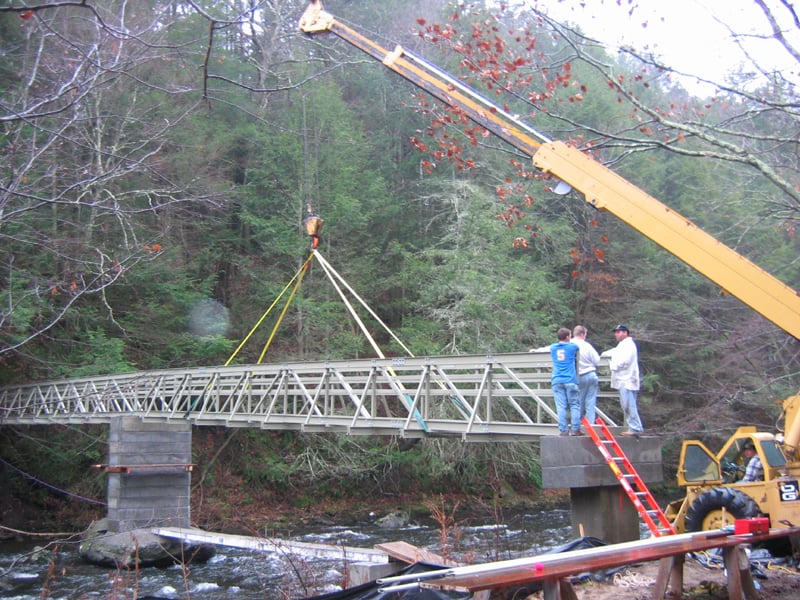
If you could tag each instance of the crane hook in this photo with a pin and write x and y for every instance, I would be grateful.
(313, 224)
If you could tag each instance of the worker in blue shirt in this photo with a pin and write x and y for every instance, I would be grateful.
(564, 382)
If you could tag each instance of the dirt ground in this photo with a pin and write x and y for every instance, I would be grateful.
(638, 583)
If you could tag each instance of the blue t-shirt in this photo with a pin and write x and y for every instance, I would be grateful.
(563, 355)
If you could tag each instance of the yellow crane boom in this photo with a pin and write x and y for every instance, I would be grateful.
(601, 187)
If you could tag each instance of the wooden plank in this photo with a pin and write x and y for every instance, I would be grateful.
(408, 553)
(670, 576)
(126, 469)
(740, 580)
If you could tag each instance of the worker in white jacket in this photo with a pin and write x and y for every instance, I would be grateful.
(624, 365)
(588, 382)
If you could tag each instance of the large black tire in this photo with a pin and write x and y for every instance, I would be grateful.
(737, 504)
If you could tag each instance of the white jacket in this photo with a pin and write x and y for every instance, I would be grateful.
(625, 365)
(588, 357)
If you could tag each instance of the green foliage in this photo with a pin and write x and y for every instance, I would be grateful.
(50, 465)
(101, 357)
(154, 230)
(269, 470)
(490, 296)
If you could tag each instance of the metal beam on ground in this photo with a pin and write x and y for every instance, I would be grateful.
(553, 569)
(265, 544)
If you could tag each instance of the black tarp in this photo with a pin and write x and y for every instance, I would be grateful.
(368, 591)
(371, 590)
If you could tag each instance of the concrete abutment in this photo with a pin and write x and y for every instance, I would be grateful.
(149, 479)
(599, 506)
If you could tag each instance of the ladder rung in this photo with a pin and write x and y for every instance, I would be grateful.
(630, 476)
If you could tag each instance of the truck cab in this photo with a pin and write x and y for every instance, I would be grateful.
(715, 494)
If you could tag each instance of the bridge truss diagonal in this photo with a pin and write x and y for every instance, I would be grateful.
(499, 397)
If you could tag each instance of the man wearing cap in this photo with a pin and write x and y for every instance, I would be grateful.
(624, 367)
(754, 470)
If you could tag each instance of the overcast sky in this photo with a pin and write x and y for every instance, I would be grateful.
(691, 35)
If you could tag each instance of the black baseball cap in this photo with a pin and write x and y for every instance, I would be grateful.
(622, 328)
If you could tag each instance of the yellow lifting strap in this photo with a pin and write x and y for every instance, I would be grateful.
(331, 273)
(271, 337)
(294, 284)
(298, 277)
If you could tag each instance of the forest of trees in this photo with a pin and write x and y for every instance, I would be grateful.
(157, 159)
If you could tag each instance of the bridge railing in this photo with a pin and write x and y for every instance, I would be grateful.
(501, 396)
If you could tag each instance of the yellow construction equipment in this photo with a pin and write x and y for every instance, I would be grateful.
(713, 495)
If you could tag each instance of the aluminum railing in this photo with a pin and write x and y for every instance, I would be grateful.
(477, 397)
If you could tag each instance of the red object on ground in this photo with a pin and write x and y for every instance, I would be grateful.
(756, 525)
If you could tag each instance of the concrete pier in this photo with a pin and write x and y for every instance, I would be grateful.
(149, 474)
(599, 504)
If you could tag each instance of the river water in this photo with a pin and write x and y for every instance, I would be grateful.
(59, 573)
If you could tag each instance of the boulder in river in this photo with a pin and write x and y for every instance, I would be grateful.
(394, 520)
(138, 548)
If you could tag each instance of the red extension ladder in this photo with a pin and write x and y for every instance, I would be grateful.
(628, 478)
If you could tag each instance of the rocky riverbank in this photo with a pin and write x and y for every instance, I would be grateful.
(137, 549)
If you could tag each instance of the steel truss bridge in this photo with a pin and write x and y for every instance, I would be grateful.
(499, 397)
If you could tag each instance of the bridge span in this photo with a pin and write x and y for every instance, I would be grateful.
(472, 398)
(499, 397)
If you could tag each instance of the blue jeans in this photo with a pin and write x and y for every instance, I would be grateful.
(568, 406)
(588, 385)
(627, 398)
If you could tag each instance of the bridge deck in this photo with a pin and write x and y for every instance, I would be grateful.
(476, 397)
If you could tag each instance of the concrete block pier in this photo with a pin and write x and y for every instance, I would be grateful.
(149, 477)
(149, 474)
(599, 504)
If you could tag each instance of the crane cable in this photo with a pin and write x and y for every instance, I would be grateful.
(297, 276)
(330, 272)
